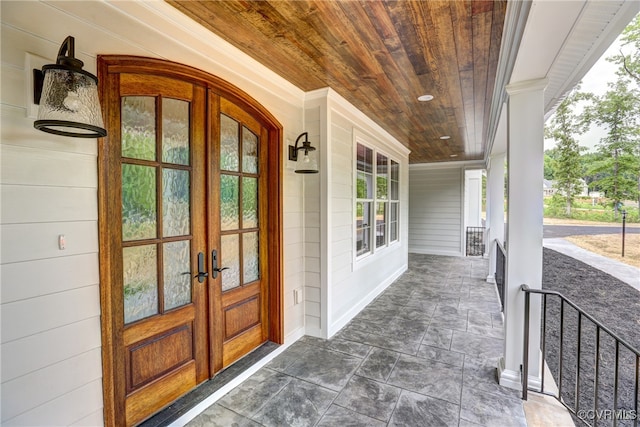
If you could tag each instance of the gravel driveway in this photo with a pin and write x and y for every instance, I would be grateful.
(608, 300)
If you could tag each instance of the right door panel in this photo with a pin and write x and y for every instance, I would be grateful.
(238, 229)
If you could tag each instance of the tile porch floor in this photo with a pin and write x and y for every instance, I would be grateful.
(424, 353)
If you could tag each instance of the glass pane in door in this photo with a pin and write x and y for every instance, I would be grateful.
(175, 131)
(249, 151)
(175, 202)
(228, 144)
(249, 202)
(177, 274)
(250, 257)
(230, 258)
(138, 202)
(229, 202)
(139, 127)
(140, 273)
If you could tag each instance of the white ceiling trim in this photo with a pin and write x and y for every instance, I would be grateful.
(563, 39)
(581, 31)
(600, 23)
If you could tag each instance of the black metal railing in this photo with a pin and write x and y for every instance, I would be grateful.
(475, 241)
(596, 371)
(499, 275)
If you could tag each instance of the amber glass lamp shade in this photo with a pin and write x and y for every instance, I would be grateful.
(68, 98)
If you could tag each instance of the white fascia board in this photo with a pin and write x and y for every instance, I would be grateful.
(600, 43)
(549, 25)
(466, 164)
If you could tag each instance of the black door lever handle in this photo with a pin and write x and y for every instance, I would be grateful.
(201, 273)
(201, 276)
(214, 264)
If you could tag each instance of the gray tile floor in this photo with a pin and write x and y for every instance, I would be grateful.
(424, 353)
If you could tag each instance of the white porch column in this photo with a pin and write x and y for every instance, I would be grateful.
(525, 155)
(495, 208)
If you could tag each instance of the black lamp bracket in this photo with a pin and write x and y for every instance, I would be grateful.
(66, 60)
(67, 55)
(306, 146)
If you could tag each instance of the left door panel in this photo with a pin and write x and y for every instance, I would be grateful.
(156, 229)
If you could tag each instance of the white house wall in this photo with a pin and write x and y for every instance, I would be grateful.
(313, 121)
(50, 313)
(357, 282)
(436, 209)
(50, 307)
(344, 285)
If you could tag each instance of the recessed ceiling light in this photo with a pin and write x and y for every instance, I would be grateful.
(443, 137)
(425, 98)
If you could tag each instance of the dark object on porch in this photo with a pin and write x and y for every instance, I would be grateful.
(475, 241)
(594, 358)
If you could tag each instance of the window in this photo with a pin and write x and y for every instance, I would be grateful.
(377, 200)
(382, 190)
(394, 201)
(364, 199)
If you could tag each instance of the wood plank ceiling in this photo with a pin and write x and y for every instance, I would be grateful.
(380, 56)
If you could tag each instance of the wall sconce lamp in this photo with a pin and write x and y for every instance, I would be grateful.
(68, 97)
(304, 163)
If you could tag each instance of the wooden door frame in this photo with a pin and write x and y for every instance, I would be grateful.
(113, 378)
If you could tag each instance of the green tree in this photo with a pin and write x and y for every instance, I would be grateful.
(588, 161)
(629, 61)
(618, 162)
(565, 125)
(549, 158)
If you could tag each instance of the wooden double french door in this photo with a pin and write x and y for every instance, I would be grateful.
(190, 273)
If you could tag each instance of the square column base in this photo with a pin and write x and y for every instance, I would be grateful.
(512, 379)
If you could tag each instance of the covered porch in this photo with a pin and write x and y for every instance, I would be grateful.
(426, 347)
(423, 353)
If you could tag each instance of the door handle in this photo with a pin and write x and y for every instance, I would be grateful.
(201, 273)
(214, 264)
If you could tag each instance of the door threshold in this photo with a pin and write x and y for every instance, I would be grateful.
(207, 388)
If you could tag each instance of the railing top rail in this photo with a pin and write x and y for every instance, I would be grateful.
(527, 289)
(500, 246)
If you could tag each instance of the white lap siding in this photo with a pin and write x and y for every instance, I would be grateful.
(435, 210)
(51, 372)
(344, 284)
(51, 356)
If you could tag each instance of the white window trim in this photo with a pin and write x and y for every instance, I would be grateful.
(396, 202)
(373, 254)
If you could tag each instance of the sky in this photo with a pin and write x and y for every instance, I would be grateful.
(595, 81)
